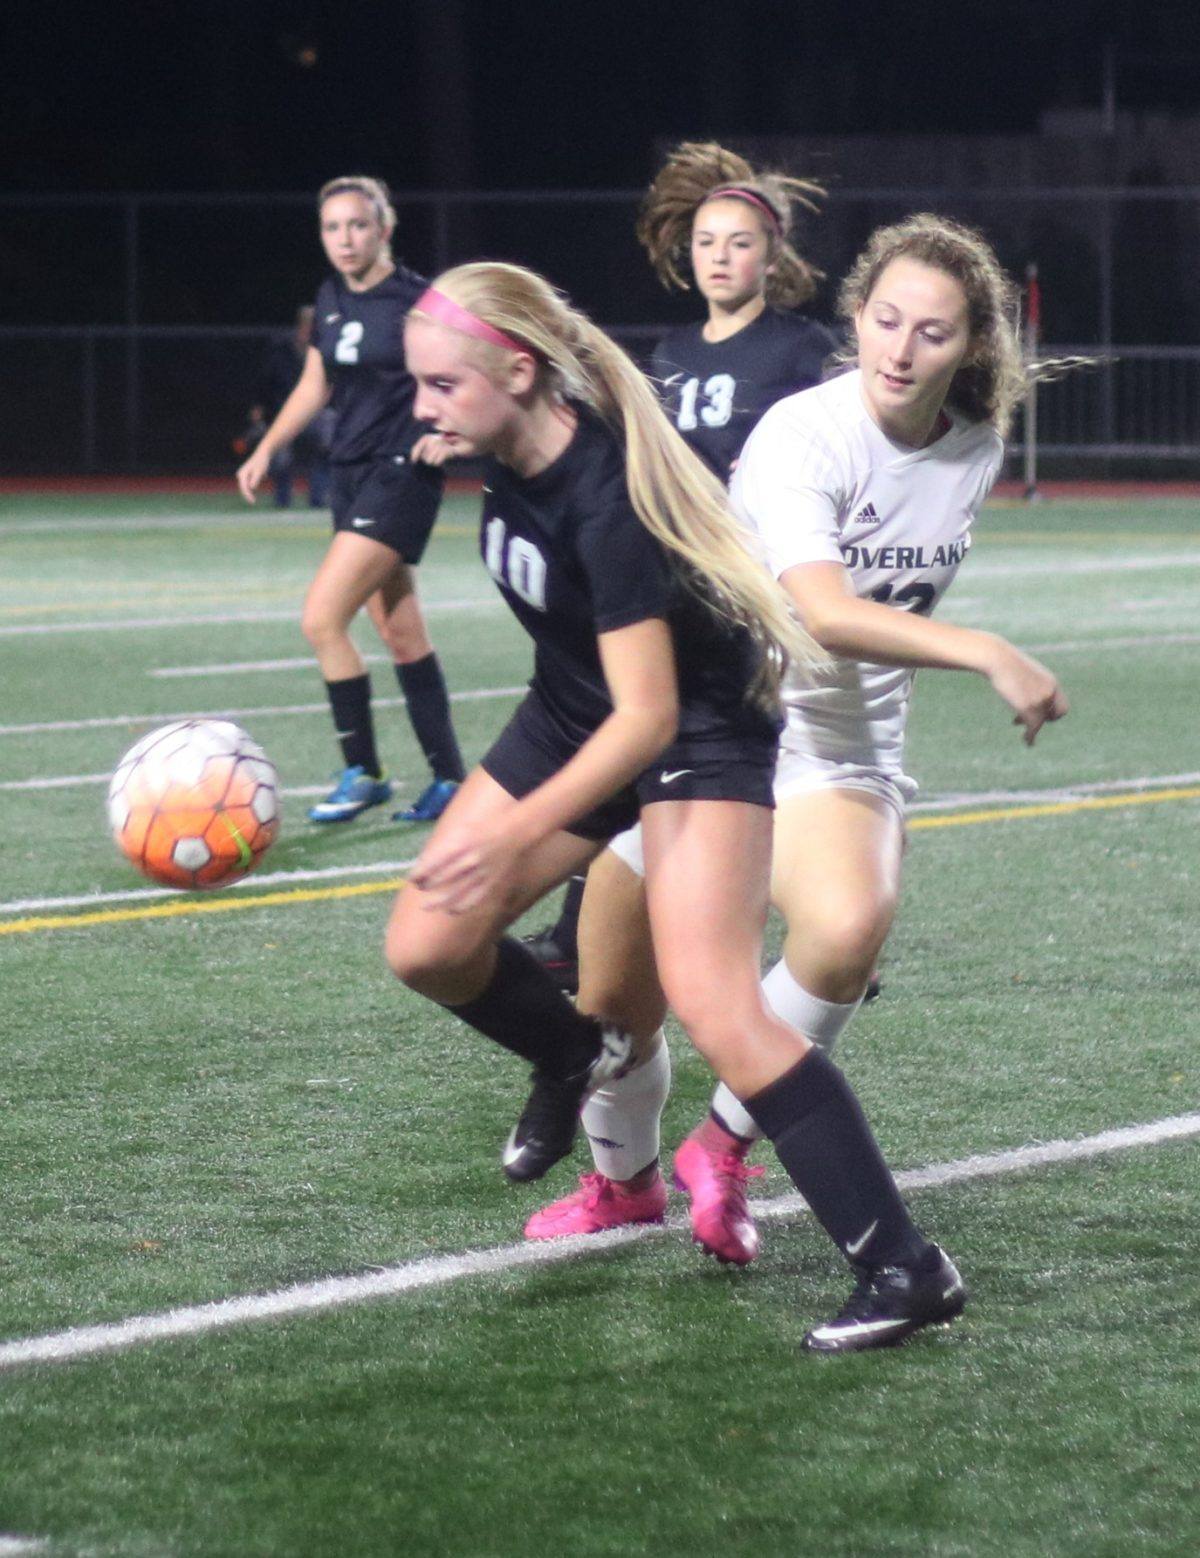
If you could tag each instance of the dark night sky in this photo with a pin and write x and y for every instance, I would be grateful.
(466, 93)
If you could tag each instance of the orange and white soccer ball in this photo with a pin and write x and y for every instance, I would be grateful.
(195, 804)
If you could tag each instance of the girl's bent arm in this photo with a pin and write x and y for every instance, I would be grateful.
(458, 871)
(639, 667)
(888, 635)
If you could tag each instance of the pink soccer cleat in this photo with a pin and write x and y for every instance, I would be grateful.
(715, 1182)
(598, 1204)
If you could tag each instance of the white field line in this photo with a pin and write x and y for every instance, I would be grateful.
(385, 868)
(380, 868)
(81, 781)
(217, 619)
(1057, 565)
(10, 1546)
(1070, 792)
(949, 802)
(241, 667)
(979, 570)
(202, 519)
(1103, 645)
(412, 1276)
(300, 663)
(108, 721)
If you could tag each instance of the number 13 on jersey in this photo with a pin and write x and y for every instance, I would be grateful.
(718, 407)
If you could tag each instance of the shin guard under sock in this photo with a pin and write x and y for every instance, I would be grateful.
(350, 701)
(818, 1129)
(428, 704)
(524, 1010)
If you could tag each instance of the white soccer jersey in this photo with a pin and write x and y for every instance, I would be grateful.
(820, 482)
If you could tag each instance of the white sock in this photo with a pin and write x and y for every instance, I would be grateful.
(622, 1117)
(818, 1020)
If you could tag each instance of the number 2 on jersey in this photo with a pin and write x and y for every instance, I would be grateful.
(346, 349)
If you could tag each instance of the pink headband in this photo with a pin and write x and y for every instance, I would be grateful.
(739, 193)
(436, 305)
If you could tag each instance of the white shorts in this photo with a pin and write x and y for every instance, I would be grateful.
(796, 773)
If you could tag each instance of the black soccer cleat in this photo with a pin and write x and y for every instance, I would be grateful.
(545, 1133)
(891, 1302)
(561, 965)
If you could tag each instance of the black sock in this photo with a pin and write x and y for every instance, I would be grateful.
(350, 701)
(525, 1011)
(566, 927)
(424, 689)
(817, 1127)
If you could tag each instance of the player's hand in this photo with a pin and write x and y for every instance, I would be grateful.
(458, 873)
(431, 449)
(1030, 690)
(252, 473)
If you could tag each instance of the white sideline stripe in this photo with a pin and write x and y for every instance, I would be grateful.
(948, 802)
(1133, 641)
(300, 663)
(381, 868)
(981, 569)
(107, 721)
(115, 624)
(201, 519)
(959, 798)
(81, 781)
(21, 1544)
(385, 868)
(335, 1292)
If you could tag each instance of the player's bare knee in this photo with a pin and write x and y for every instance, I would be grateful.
(319, 627)
(846, 940)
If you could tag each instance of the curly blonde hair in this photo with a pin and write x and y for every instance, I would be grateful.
(691, 175)
(673, 492)
(994, 376)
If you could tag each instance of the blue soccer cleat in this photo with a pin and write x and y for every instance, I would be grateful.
(354, 792)
(430, 804)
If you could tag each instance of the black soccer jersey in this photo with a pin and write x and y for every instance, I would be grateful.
(715, 393)
(360, 336)
(572, 559)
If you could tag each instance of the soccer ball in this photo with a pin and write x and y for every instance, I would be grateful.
(195, 804)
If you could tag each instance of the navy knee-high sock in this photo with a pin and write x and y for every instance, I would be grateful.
(428, 703)
(566, 927)
(525, 1011)
(818, 1128)
(350, 701)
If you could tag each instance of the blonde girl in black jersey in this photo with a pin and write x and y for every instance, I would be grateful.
(578, 448)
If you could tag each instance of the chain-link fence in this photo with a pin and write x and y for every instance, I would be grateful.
(133, 327)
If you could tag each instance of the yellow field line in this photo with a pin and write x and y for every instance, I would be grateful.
(1056, 808)
(171, 911)
(167, 911)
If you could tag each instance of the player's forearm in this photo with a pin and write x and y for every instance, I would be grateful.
(306, 401)
(889, 635)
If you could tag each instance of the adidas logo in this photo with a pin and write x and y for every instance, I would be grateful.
(868, 516)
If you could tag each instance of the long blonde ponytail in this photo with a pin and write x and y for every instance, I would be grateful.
(674, 494)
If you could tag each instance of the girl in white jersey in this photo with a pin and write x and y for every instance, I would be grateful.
(862, 491)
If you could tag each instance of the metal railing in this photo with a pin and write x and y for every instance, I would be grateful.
(121, 348)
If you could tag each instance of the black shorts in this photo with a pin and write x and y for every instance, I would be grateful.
(388, 500)
(531, 749)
